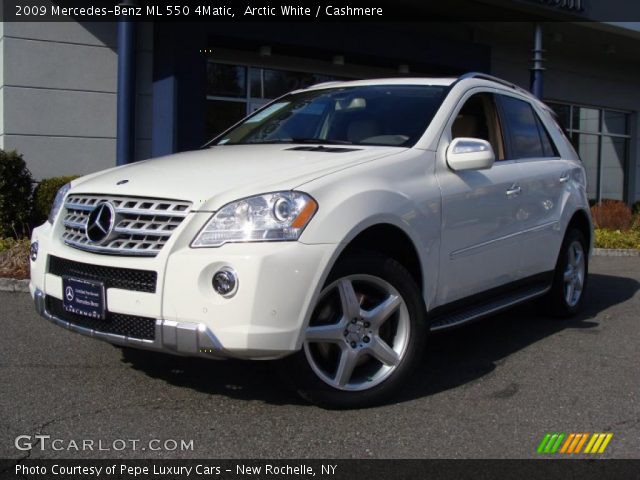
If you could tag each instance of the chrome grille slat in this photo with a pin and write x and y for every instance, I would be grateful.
(144, 226)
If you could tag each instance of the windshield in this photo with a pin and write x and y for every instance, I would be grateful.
(389, 115)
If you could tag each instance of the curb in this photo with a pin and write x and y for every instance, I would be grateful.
(13, 285)
(616, 252)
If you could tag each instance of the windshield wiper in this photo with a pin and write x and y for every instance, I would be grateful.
(319, 141)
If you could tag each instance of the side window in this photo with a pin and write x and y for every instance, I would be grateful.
(478, 118)
(526, 135)
(548, 146)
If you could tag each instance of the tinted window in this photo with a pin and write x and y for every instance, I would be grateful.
(394, 115)
(226, 80)
(524, 136)
(548, 147)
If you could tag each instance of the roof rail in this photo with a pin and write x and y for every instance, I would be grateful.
(485, 76)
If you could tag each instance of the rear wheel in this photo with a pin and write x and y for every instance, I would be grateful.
(365, 335)
(570, 277)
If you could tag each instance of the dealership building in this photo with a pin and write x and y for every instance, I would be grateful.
(77, 96)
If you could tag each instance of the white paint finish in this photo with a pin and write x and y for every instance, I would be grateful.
(30, 111)
(82, 33)
(213, 177)
(480, 222)
(35, 63)
(52, 156)
(133, 303)
(468, 233)
(271, 321)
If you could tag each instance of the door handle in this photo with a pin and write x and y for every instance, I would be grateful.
(564, 178)
(514, 191)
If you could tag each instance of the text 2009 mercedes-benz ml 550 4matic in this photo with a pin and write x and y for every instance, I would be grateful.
(334, 228)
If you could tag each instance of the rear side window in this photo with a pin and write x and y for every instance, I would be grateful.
(548, 148)
(526, 135)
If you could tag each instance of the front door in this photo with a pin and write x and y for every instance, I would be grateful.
(480, 209)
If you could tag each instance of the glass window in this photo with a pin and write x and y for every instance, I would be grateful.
(587, 147)
(601, 138)
(615, 122)
(234, 91)
(269, 83)
(393, 115)
(222, 114)
(226, 80)
(522, 128)
(548, 147)
(613, 154)
(586, 119)
(564, 115)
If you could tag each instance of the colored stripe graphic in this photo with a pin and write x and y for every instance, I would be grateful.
(573, 443)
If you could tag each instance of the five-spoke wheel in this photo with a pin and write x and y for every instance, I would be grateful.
(365, 334)
(570, 277)
(358, 333)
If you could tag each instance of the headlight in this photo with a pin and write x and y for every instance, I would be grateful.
(270, 217)
(57, 202)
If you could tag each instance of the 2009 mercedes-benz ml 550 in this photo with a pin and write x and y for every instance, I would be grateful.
(335, 228)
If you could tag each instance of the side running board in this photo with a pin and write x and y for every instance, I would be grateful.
(474, 312)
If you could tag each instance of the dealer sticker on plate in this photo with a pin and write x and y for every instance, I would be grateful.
(83, 297)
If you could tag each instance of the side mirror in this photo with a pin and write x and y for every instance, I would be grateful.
(470, 154)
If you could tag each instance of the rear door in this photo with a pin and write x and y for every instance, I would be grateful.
(544, 177)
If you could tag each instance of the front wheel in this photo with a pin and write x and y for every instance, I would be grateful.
(570, 276)
(365, 336)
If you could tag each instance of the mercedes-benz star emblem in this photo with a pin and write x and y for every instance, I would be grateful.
(68, 292)
(100, 223)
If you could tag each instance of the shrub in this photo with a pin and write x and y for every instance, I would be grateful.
(612, 215)
(6, 243)
(636, 208)
(15, 195)
(617, 239)
(43, 196)
(14, 262)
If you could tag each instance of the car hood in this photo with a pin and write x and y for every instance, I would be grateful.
(211, 177)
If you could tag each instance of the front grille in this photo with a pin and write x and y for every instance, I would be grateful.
(117, 323)
(112, 277)
(142, 225)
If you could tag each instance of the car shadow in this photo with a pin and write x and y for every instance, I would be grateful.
(454, 358)
(457, 357)
(244, 380)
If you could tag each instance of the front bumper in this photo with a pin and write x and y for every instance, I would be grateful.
(180, 338)
(278, 282)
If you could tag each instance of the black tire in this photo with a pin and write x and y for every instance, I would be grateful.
(557, 303)
(356, 269)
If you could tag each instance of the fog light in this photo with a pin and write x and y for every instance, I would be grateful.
(225, 282)
(33, 251)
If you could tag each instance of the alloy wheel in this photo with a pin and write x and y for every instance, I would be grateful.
(574, 273)
(358, 333)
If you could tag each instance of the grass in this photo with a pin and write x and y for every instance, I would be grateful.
(14, 258)
(610, 238)
(617, 239)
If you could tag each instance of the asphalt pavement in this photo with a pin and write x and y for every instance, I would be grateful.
(489, 390)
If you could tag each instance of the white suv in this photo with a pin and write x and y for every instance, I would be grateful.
(336, 227)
